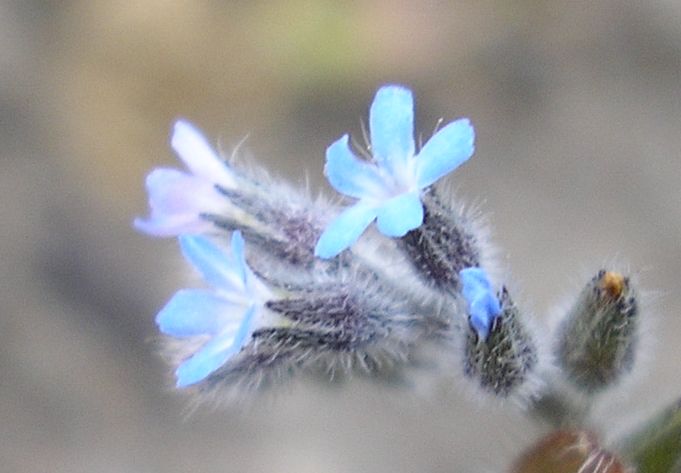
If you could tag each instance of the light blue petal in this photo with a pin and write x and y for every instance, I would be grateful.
(445, 151)
(239, 255)
(214, 354)
(193, 312)
(173, 191)
(483, 305)
(348, 174)
(344, 230)
(215, 266)
(391, 125)
(400, 214)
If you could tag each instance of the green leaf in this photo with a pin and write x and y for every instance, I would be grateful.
(656, 446)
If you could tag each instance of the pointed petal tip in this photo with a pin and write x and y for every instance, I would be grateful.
(238, 241)
(196, 152)
(184, 380)
(323, 251)
(343, 141)
(153, 227)
(193, 370)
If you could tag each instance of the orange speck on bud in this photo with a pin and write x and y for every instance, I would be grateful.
(613, 284)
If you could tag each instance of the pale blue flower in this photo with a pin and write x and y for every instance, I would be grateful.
(178, 199)
(483, 304)
(225, 316)
(389, 187)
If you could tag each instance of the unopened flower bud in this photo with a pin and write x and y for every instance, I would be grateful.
(597, 340)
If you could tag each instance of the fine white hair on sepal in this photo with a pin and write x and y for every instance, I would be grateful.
(443, 245)
(478, 223)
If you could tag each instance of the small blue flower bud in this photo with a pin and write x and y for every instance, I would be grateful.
(483, 305)
(499, 352)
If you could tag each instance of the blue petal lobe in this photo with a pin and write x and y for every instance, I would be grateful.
(193, 312)
(445, 151)
(483, 305)
(214, 354)
(400, 214)
(348, 174)
(391, 125)
(216, 267)
(344, 230)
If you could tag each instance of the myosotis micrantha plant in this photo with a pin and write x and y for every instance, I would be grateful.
(299, 285)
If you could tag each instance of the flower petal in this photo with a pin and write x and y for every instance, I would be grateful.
(177, 200)
(345, 230)
(483, 305)
(193, 312)
(173, 191)
(391, 125)
(445, 151)
(216, 267)
(215, 353)
(348, 174)
(193, 149)
(400, 214)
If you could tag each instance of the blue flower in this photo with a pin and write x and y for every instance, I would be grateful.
(389, 187)
(178, 199)
(225, 316)
(483, 305)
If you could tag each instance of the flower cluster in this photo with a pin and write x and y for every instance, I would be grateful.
(292, 287)
(298, 285)
(346, 315)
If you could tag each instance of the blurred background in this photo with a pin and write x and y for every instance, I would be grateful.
(577, 108)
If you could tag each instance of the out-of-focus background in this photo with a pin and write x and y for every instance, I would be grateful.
(577, 107)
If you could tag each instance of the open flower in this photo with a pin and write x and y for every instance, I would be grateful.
(178, 199)
(483, 305)
(226, 315)
(389, 187)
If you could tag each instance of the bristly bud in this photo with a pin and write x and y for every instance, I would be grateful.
(335, 330)
(285, 228)
(597, 340)
(501, 359)
(442, 246)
